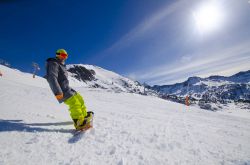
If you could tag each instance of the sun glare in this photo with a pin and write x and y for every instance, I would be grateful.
(208, 17)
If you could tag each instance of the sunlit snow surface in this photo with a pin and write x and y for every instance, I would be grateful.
(128, 129)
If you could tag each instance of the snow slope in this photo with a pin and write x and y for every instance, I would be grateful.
(128, 129)
(96, 77)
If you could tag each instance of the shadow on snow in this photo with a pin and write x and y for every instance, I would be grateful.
(19, 125)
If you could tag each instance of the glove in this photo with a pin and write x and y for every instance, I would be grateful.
(59, 97)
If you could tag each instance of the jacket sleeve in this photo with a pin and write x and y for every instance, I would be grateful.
(52, 75)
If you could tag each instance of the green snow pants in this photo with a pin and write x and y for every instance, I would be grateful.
(77, 107)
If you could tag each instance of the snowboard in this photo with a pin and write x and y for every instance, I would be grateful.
(78, 134)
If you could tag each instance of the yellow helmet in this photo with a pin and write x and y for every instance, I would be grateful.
(62, 54)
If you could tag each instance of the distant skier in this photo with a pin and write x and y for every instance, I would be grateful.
(57, 78)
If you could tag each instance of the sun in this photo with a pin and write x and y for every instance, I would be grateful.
(208, 17)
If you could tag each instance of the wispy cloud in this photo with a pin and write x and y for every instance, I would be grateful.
(226, 62)
(143, 28)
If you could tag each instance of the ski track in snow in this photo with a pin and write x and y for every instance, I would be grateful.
(128, 129)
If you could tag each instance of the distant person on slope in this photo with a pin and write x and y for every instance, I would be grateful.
(57, 78)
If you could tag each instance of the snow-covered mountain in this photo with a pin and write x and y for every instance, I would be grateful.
(213, 89)
(97, 77)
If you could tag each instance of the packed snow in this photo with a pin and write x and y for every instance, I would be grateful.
(128, 129)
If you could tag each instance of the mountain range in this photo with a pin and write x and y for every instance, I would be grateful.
(213, 89)
(211, 93)
(205, 92)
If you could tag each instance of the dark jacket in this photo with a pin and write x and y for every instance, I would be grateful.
(57, 77)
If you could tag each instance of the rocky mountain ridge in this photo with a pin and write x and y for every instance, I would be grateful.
(210, 90)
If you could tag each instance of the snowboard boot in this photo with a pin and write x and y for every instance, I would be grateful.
(84, 123)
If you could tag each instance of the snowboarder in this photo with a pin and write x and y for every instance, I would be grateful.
(57, 78)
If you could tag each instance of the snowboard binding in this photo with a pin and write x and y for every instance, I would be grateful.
(86, 123)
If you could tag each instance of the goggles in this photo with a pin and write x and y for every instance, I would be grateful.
(63, 55)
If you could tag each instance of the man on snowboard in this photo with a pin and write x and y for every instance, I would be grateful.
(57, 78)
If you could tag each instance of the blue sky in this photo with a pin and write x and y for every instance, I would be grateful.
(157, 42)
